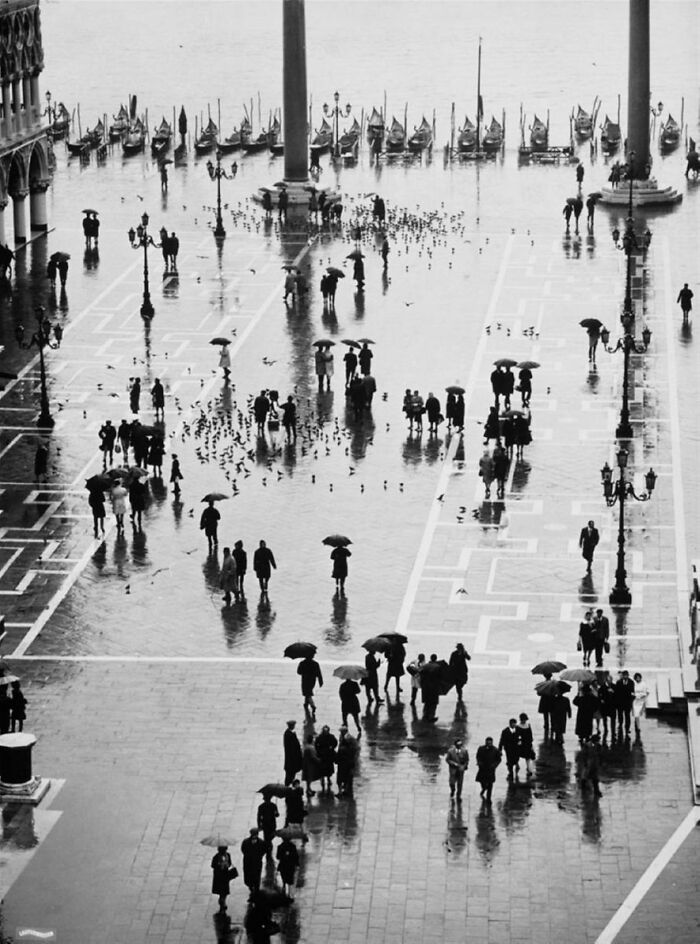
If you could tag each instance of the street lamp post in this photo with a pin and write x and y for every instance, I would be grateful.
(630, 242)
(336, 112)
(48, 107)
(41, 338)
(619, 491)
(216, 173)
(628, 344)
(140, 239)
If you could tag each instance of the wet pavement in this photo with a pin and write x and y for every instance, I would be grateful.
(160, 710)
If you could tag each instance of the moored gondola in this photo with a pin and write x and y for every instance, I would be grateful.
(135, 139)
(493, 136)
(322, 140)
(466, 137)
(422, 137)
(610, 136)
(160, 142)
(583, 124)
(539, 135)
(61, 121)
(396, 137)
(670, 134)
(207, 140)
(375, 126)
(120, 125)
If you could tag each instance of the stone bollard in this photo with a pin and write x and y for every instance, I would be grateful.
(17, 784)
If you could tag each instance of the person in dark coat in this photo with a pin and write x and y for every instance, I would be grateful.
(350, 703)
(175, 474)
(459, 669)
(5, 710)
(96, 501)
(310, 764)
(588, 764)
(586, 637)
(253, 850)
(292, 753)
(364, 359)
(107, 436)
(395, 658)
(492, 428)
(508, 743)
(607, 708)
(310, 672)
(350, 359)
(51, 272)
(267, 204)
(263, 563)
(488, 758)
(156, 451)
(371, 680)
(19, 707)
(289, 418)
(63, 271)
(223, 872)
(588, 541)
(525, 740)
(139, 444)
(124, 436)
(432, 411)
(458, 413)
(430, 686)
(508, 430)
(545, 706)
(326, 744)
(566, 213)
(287, 865)
(294, 804)
(158, 399)
(560, 710)
(685, 300)
(357, 396)
(241, 558)
(339, 556)
(267, 821)
(522, 434)
(507, 386)
(137, 500)
(590, 208)
(525, 385)
(624, 699)
(601, 630)
(501, 465)
(450, 409)
(135, 395)
(347, 761)
(209, 523)
(497, 386)
(41, 461)
(587, 704)
(261, 407)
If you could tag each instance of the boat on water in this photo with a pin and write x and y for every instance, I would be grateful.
(322, 140)
(610, 135)
(422, 137)
(539, 135)
(207, 140)
(466, 137)
(670, 134)
(61, 121)
(396, 137)
(235, 140)
(583, 124)
(494, 136)
(91, 139)
(120, 125)
(160, 142)
(375, 126)
(349, 140)
(134, 140)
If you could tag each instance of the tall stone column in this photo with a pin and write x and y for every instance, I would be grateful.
(3, 237)
(7, 109)
(19, 216)
(16, 106)
(37, 205)
(638, 88)
(296, 151)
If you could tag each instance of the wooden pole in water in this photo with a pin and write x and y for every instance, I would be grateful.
(452, 130)
(384, 112)
(218, 115)
(478, 102)
(80, 130)
(405, 122)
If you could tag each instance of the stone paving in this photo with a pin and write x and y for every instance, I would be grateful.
(146, 693)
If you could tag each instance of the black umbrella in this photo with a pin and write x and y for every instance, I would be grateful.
(377, 644)
(393, 635)
(454, 388)
(336, 540)
(548, 667)
(591, 323)
(300, 650)
(274, 790)
(324, 342)
(552, 687)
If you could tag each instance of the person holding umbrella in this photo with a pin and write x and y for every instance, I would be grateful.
(560, 710)
(287, 864)
(223, 872)
(371, 679)
(350, 703)
(209, 523)
(593, 328)
(310, 672)
(347, 760)
(339, 556)
(267, 821)
(395, 658)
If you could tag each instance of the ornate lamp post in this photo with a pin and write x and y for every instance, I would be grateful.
(619, 491)
(140, 239)
(630, 243)
(336, 112)
(216, 173)
(41, 338)
(628, 344)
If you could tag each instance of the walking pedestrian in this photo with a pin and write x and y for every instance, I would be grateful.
(486, 472)
(287, 865)
(347, 761)
(509, 743)
(158, 399)
(253, 850)
(607, 707)
(339, 556)
(267, 203)
(137, 501)
(241, 558)
(5, 710)
(488, 757)
(414, 669)
(450, 409)
(544, 706)
(395, 658)
(358, 272)
(586, 637)
(294, 804)
(139, 444)
(457, 758)
(577, 208)
(522, 434)
(601, 628)
(332, 286)
(96, 501)
(371, 679)
(567, 211)
(492, 428)
(458, 413)
(223, 872)
(350, 703)
(209, 523)
(228, 577)
(587, 704)
(289, 418)
(497, 386)
(267, 822)
(19, 707)
(431, 688)
(432, 411)
(501, 465)
(107, 435)
(175, 474)
(641, 693)
(263, 564)
(282, 204)
(290, 286)
(590, 208)
(326, 744)
(135, 394)
(52, 271)
(579, 175)
(320, 365)
(459, 670)
(417, 409)
(350, 360)
(588, 541)
(124, 437)
(292, 753)
(593, 332)
(41, 461)
(525, 386)
(560, 710)
(624, 699)
(364, 359)
(525, 741)
(63, 270)
(507, 385)
(156, 451)
(118, 497)
(310, 672)
(685, 299)
(261, 407)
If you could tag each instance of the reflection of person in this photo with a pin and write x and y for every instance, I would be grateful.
(457, 758)
(223, 873)
(588, 541)
(488, 758)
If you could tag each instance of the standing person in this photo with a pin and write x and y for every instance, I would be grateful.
(267, 821)
(560, 710)
(287, 864)
(588, 541)
(326, 744)
(501, 465)
(525, 385)
(339, 556)
(522, 434)
(158, 399)
(430, 690)
(492, 428)
(486, 472)
(593, 332)
(579, 175)
(241, 559)
(601, 628)
(209, 523)
(350, 703)
(63, 270)
(19, 707)
(164, 246)
(417, 409)
(507, 385)
(267, 203)
(432, 411)
(139, 444)
(566, 213)
(310, 672)
(223, 872)
(395, 658)
(358, 272)
(175, 474)
(407, 408)
(459, 669)
(173, 249)
(137, 500)
(253, 850)
(263, 565)
(292, 753)
(590, 208)
(414, 671)
(5, 710)
(606, 704)
(124, 436)
(364, 359)
(371, 679)
(497, 386)
(509, 744)
(332, 286)
(586, 637)
(261, 407)
(320, 365)
(294, 803)
(225, 361)
(96, 501)
(587, 704)
(324, 290)
(685, 299)
(347, 761)
(228, 576)
(525, 741)
(162, 167)
(457, 758)
(508, 428)
(450, 409)
(41, 462)
(156, 451)
(641, 693)
(458, 413)
(107, 436)
(545, 707)
(289, 418)
(135, 395)
(51, 271)
(577, 208)
(488, 758)
(350, 359)
(624, 699)
(118, 496)
(282, 204)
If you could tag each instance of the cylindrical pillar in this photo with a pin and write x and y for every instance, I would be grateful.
(37, 206)
(3, 237)
(18, 216)
(27, 115)
(16, 759)
(16, 106)
(36, 105)
(296, 152)
(7, 109)
(638, 88)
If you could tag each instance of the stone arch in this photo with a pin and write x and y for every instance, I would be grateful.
(17, 175)
(38, 169)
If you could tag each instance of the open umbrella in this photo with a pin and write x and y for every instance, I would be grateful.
(377, 644)
(505, 362)
(220, 341)
(8, 679)
(165, 160)
(366, 341)
(216, 840)
(530, 365)
(591, 323)
(355, 254)
(214, 496)
(350, 343)
(393, 635)
(274, 790)
(127, 471)
(288, 268)
(578, 675)
(509, 414)
(60, 256)
(300, 650)
(454, 388)
(334, 270)
(292, 831)
(98, 481)
(336, 540)
(88, 210)
(324, 342)
(442, 670)
(548, 667)
(354, 672)
(310, 189)
(552, 687)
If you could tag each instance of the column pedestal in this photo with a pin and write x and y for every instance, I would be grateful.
(18, 217)
(17, 783)
(37, 207)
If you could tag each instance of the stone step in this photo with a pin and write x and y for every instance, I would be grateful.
(691, 680)
(676, 684)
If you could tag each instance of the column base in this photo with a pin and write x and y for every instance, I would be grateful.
(620, 596)
(644, 193)
(31, 793)
(298, 193)
(39, 227)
